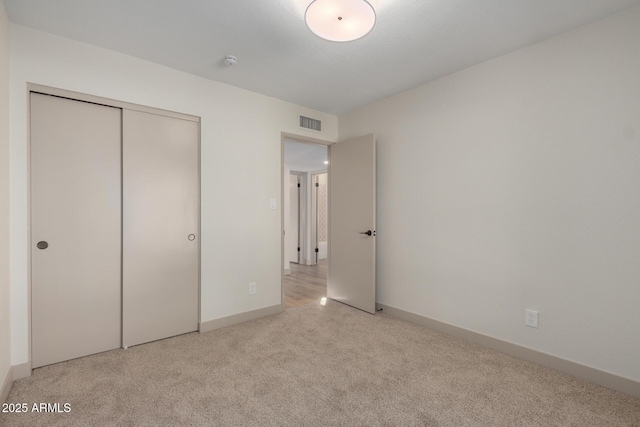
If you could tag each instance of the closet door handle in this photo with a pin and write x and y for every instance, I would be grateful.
(191, 237)
(42, 245)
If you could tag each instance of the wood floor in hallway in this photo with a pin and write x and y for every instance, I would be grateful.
(306, 284)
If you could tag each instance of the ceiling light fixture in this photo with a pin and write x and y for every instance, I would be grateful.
(340, 20)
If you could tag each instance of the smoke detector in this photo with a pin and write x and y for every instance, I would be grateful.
(230, 60)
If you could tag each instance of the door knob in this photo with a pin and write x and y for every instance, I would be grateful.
(191, 237)
(368, 232)
(42, 245)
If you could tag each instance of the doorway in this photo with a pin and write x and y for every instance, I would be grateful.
(350, 276)
(305, 221)
(319, 216)
(297, 215)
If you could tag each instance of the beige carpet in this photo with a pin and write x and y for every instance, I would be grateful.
(315, 366)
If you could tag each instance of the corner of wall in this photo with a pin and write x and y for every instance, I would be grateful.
(5, 385)
(6, 374)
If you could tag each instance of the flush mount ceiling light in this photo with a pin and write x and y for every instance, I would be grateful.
(340, 20)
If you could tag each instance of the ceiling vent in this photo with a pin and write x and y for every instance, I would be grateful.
(309, 123)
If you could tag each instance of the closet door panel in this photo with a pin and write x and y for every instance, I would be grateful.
(76, 210)
(160, 227)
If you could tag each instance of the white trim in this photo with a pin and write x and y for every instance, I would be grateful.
(6, 385)
(302, 216)
(223, 322)
(22, 370)
(15, 372)
(78, 96)
(314, 214)
(588, 373)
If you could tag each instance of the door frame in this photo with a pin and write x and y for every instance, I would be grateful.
(314, 214)
(302, 215)
(305, 140)
(83, 97)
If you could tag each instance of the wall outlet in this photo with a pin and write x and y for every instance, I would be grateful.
(273, 203)
(531, 318)
(252, 288)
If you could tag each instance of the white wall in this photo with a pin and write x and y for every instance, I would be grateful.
(514, 184)
(241, 166)
(5, 352)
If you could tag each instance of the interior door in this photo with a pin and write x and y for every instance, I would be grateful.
(352, 223)
(294, 218)
(160, 227)
(315, 184)
(75, 229)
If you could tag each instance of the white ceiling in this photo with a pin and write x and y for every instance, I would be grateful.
(413, 42)
(300, 157)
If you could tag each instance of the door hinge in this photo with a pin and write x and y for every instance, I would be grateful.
(317, 250)
(298, 185)
(298, 249)
(317, 184)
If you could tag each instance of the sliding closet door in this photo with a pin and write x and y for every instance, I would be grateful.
(160, 227)
(75, 229)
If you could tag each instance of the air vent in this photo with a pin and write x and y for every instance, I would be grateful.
(309, 123)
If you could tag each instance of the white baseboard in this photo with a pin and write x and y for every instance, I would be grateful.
(6, 385)
(22, 370)
(287, 271)
(15, 372)
(223, 322)
(596, 376)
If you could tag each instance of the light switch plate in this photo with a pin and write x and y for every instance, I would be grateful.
(273, 203)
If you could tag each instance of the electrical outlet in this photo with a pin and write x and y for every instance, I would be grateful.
(252, 288)
(531, 318)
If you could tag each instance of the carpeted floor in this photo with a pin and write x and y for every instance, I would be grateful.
(315, 366)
